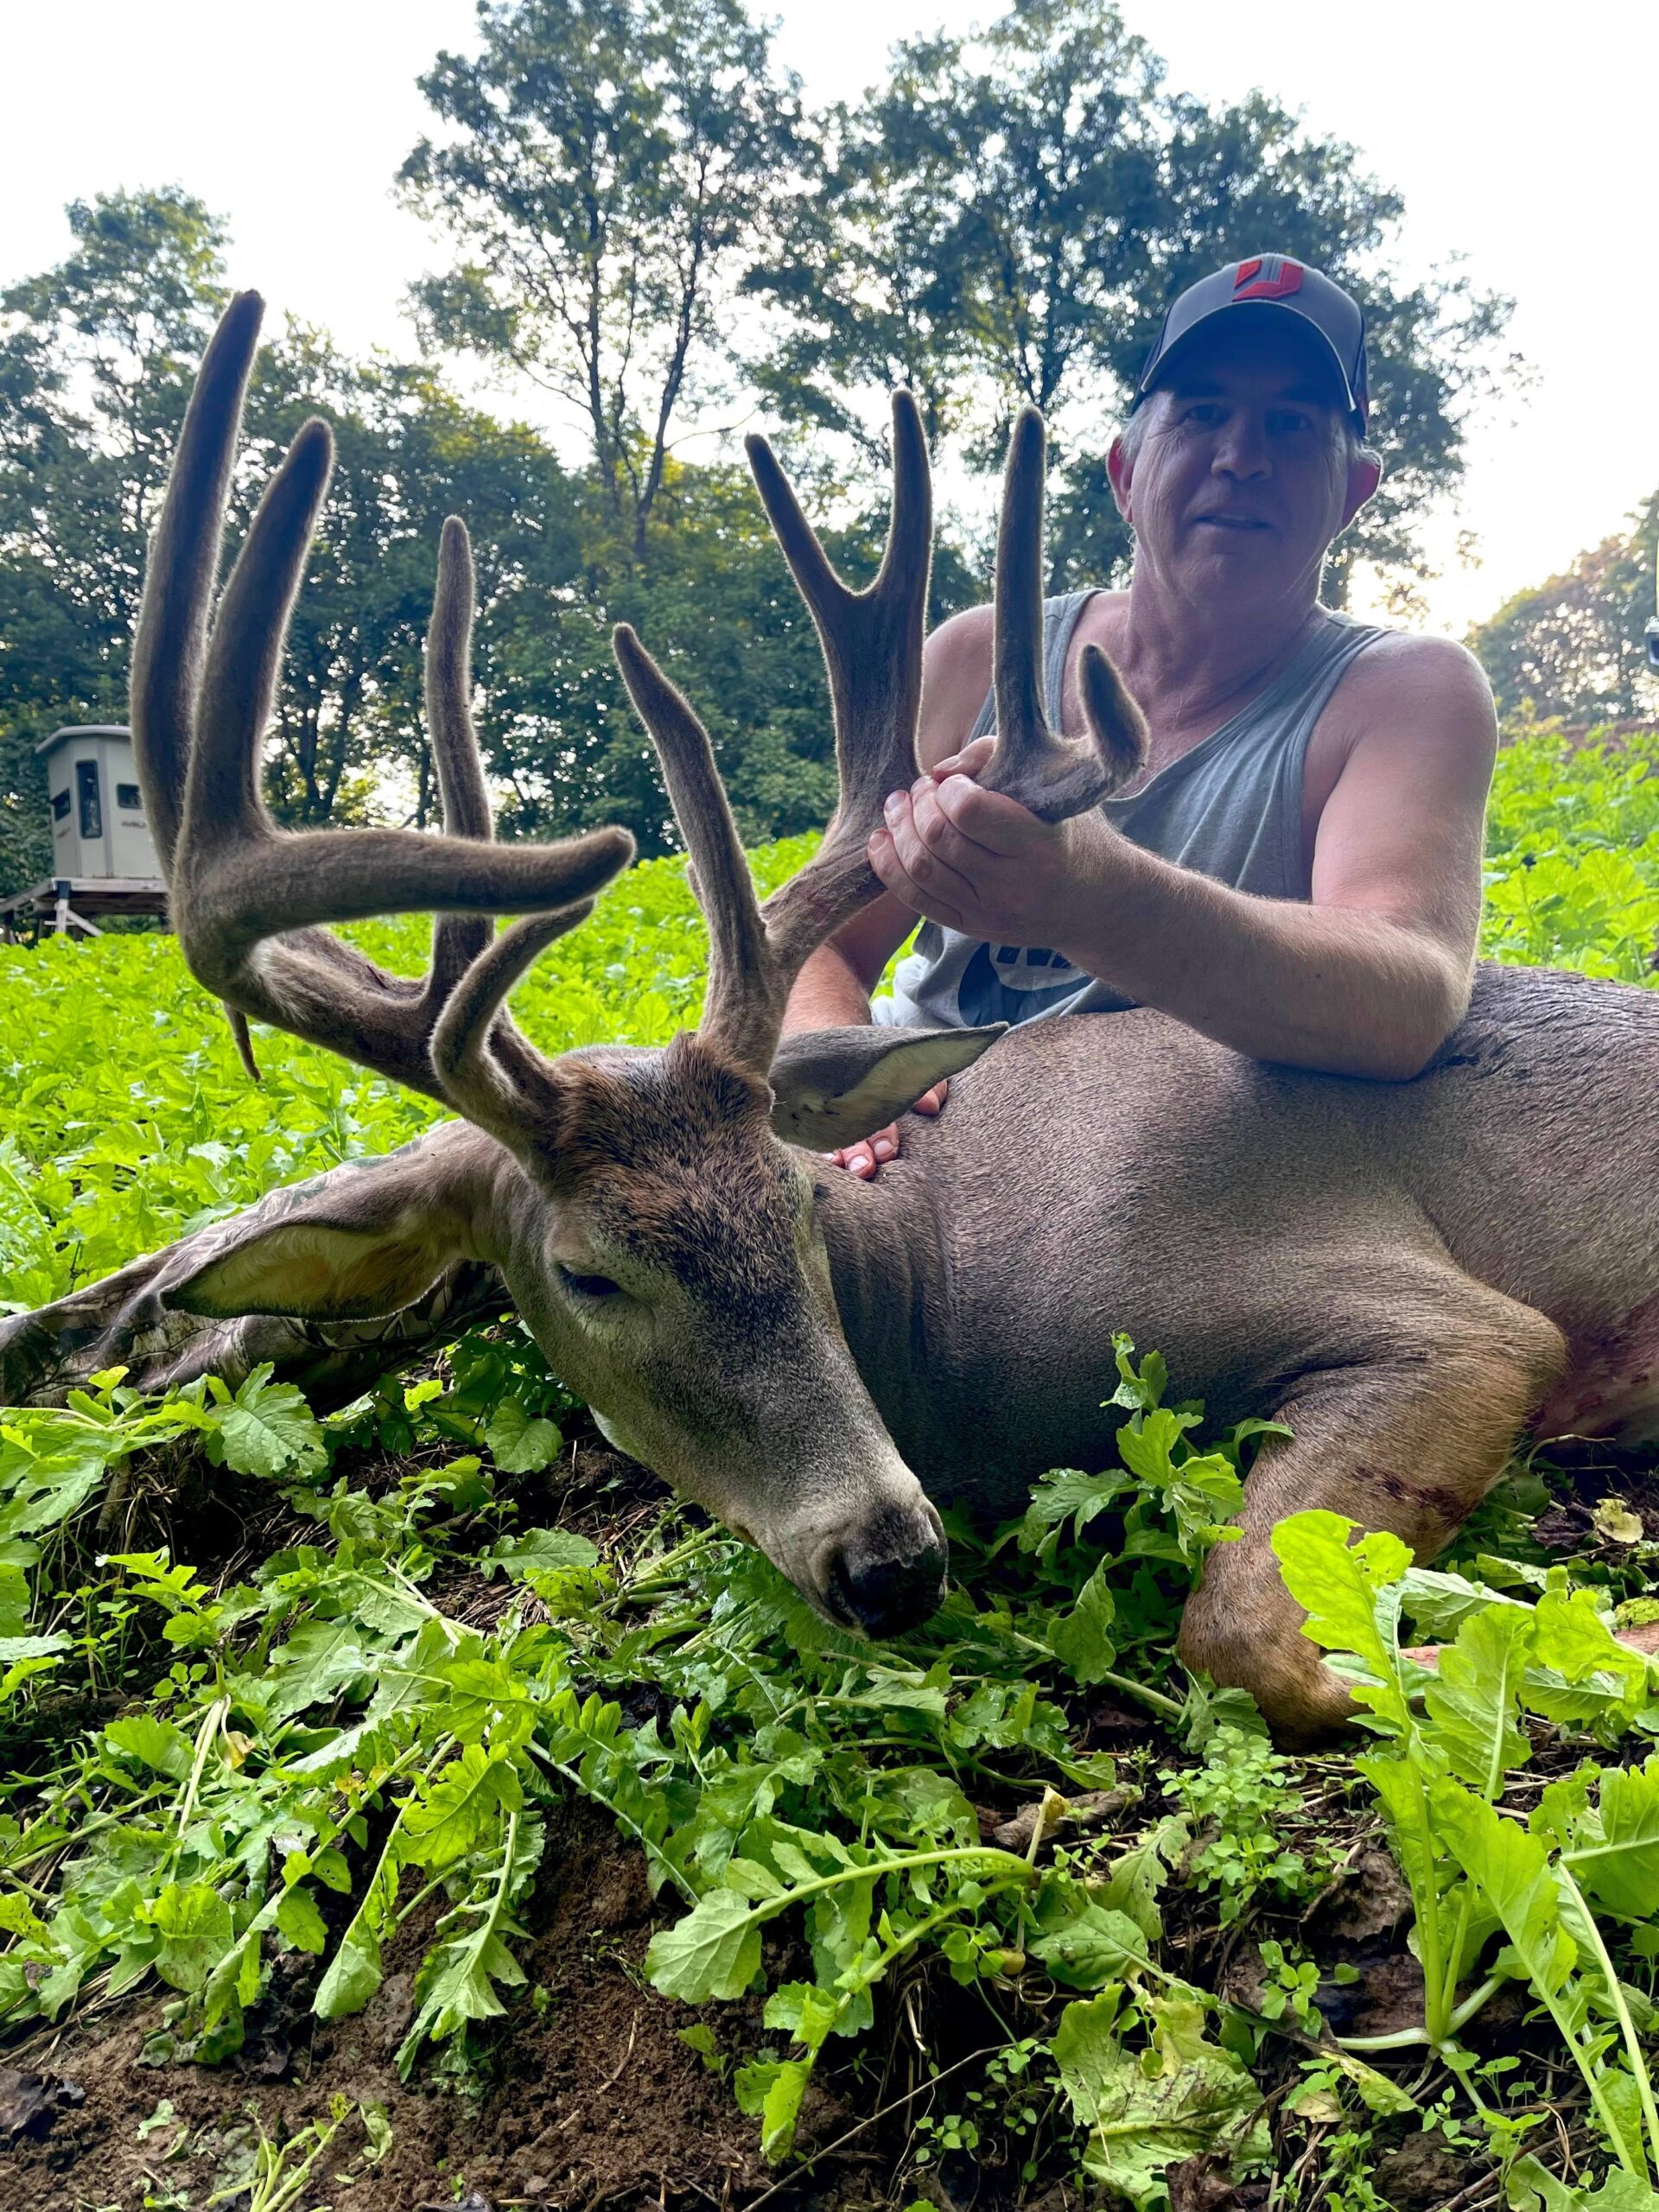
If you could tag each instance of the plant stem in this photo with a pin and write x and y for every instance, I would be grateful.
(1621, 2013)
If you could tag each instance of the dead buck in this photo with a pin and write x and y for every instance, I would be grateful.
(1404, 1274)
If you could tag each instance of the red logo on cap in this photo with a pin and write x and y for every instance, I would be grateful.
(1269, 276)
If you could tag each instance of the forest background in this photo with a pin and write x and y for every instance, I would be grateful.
(632, 207)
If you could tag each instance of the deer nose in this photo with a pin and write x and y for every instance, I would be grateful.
(885, 1592)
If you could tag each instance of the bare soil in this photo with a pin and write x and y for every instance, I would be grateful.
(591, 2098)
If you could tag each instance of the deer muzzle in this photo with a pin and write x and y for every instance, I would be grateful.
(887, 1576)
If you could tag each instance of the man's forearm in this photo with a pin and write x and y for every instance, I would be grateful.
(1331, 988)
(828, 993)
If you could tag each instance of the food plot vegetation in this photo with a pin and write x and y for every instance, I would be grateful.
(413, 1805)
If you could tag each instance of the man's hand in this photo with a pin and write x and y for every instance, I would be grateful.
(870, 1153)
(981, 863)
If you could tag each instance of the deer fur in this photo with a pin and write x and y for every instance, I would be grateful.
(1409, 1276)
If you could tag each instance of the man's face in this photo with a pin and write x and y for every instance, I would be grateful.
(1243, 477)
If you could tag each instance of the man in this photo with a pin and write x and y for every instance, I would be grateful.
(1297, 871)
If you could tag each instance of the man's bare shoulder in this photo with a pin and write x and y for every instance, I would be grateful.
(1403, 666)
(1406, 688)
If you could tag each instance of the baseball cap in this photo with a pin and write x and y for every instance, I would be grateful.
(1268, 283)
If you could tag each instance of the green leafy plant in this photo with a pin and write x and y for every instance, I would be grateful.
(1449, 1739)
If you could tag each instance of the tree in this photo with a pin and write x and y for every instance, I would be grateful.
(95, 360)
(1573, 647)
(607, 166)
(1006, 218)
(351, 712)
(94, 374)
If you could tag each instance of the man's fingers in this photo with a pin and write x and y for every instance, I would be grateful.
(968, 762)
(988, 818)
(940, 834)
(921, 898)
(931, 1101)
(864, 1158)
(930, 850)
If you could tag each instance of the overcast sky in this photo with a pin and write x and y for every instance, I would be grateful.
(1534, 157)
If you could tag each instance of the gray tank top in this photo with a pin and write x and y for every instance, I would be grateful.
(1231, 808)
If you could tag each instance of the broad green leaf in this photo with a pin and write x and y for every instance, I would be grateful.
(1510, 1868)
(1474, 1698)
(1137, 1877)
(195, 1928)
(806, 2011)
(1142, 1390)
(714, 1952)
(1351, 1592)
(1147, 1450)
(521, 1443)
(267, 1429)
(1606, 1680)
(1619, 1865)
(462, 1806)
(1439, 1603)
(1082, 1637)
(15, 1603)
(157, 1742)
(772, 2090)
(1532, 2187)
(1378, 2093)
(13, 1648)
(544, 1549)
(1066, 1494)
(1082, 1944)
(353, 1975)
(1137, 2123)
(457, 1984)
(299, 1922)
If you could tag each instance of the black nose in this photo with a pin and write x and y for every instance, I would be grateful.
(884, 1597)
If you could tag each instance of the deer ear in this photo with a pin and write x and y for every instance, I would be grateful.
(832, 1086)
(363, 1241)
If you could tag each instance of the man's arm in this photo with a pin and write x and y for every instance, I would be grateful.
(1366, 980)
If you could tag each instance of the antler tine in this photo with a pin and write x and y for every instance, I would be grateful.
(257, 881)
(489, 1072)
(872, 643)
(171, 639)
(743, 1006)
(244, 894)
(1017, 648)
(1051, 775)
(457, 939)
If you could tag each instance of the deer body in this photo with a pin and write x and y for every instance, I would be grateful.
(1402, 1274)
(1254, 1224)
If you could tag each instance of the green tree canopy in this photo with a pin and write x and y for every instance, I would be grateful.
(1573, 647)
(1007, 217)
(604, 174)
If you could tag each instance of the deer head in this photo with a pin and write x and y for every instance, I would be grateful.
(656, 1233)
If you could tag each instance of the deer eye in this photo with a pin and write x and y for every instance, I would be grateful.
(589, 1286)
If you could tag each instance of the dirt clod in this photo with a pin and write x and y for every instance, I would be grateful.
(1421, 2173)
(1199, 2184)
(30, 2103)
(1368, 1898)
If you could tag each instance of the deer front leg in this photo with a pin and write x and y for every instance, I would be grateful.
(415, 1203)
(1410, 1441)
